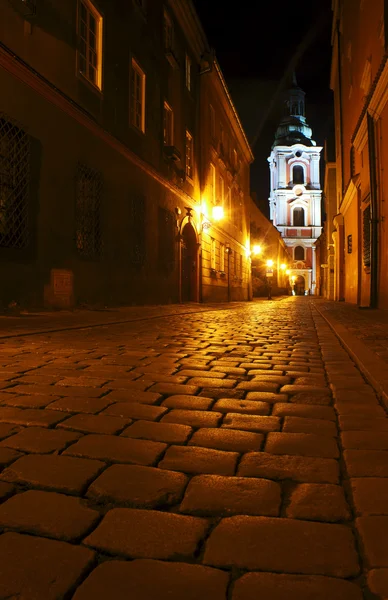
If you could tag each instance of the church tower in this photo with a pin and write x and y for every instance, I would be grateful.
(295, 189)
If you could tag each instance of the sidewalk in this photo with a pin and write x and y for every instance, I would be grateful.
(364, 334)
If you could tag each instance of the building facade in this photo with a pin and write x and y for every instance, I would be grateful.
(327, 284)
(102, 169)
(268, 247)
(359, 80)
(295, 190)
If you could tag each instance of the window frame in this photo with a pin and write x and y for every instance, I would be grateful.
(212, 253)
(189, 164)
(168, 27)
(213, 174)
(168, 140)
(136, 68)
(188, 73)
(99, 19)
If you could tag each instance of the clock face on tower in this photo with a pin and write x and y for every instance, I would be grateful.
(299, 190)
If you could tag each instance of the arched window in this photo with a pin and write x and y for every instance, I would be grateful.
(297, 174)
(298, 217)
(299, 252)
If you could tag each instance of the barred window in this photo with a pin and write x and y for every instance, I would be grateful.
(366, 259)
(189, 154)
(14, 185)
(166, 239)
(137, 230)
(87, 212)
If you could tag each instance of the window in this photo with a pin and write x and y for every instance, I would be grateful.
(166, 240)
(222, 191)
(235, 264)
(222, 139)
(212, 184)
(137, 230)
(168, 125)
(241, 267)
(14, 185)
(90, 43)
(229, 202)
(299, 253)
(87, 212)
(137, 96)
(298, 217)
(298, 174)
(188, 73)
(222, 257)
(168, 31)
(366, 237)
(189, 155)
(212, 122)
(350, 244)
(212, 253)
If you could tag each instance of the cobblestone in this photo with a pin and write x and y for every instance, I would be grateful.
(212, 495)
(318, 502)
(282, 545)
(47, 514)
(52, 472)
(170, 433)
(136, 533)
(138, 487)
(294, 587)
(117, 449)
(39, 567)
(199, 460)
(144, 579)
(183, 471)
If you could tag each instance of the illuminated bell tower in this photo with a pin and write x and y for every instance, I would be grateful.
(295, 189)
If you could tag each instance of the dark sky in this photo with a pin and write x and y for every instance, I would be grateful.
(255, 42)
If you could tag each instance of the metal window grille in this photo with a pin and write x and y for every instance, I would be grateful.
(189, 154)
(14, 184)
(166, 239)
(87, 214)
(366, 225)
(137, 230)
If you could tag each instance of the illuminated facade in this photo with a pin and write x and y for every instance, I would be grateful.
(113, 126)
(295, 190)
(359, 80)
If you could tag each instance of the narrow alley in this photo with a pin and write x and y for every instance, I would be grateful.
(232, 452)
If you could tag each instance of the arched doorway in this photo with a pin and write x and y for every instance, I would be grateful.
(300, 285)
(189, 264)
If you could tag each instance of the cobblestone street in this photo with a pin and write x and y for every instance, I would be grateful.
(230, 454)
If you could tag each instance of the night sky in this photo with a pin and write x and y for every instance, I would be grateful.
(256, 43)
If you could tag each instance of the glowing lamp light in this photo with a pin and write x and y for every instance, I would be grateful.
(283, 267)
(288, 272)
(256, 249)
(218, 213)
(269, 263)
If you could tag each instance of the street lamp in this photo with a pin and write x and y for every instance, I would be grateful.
(218, 213)
(283, 267)
(257, 249)
(270, 263)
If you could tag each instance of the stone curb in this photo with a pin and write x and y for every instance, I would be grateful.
(370, 364)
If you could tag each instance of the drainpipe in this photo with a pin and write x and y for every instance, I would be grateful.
(340, 101)
(373, 213)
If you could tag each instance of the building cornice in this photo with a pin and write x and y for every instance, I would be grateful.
(350, 193)
(19, 69)
(238, 126)
(188, 19)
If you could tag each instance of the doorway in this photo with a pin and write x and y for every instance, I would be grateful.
(189, 264)
(300, 285)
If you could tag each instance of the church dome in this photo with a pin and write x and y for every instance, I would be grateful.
(293, 128)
